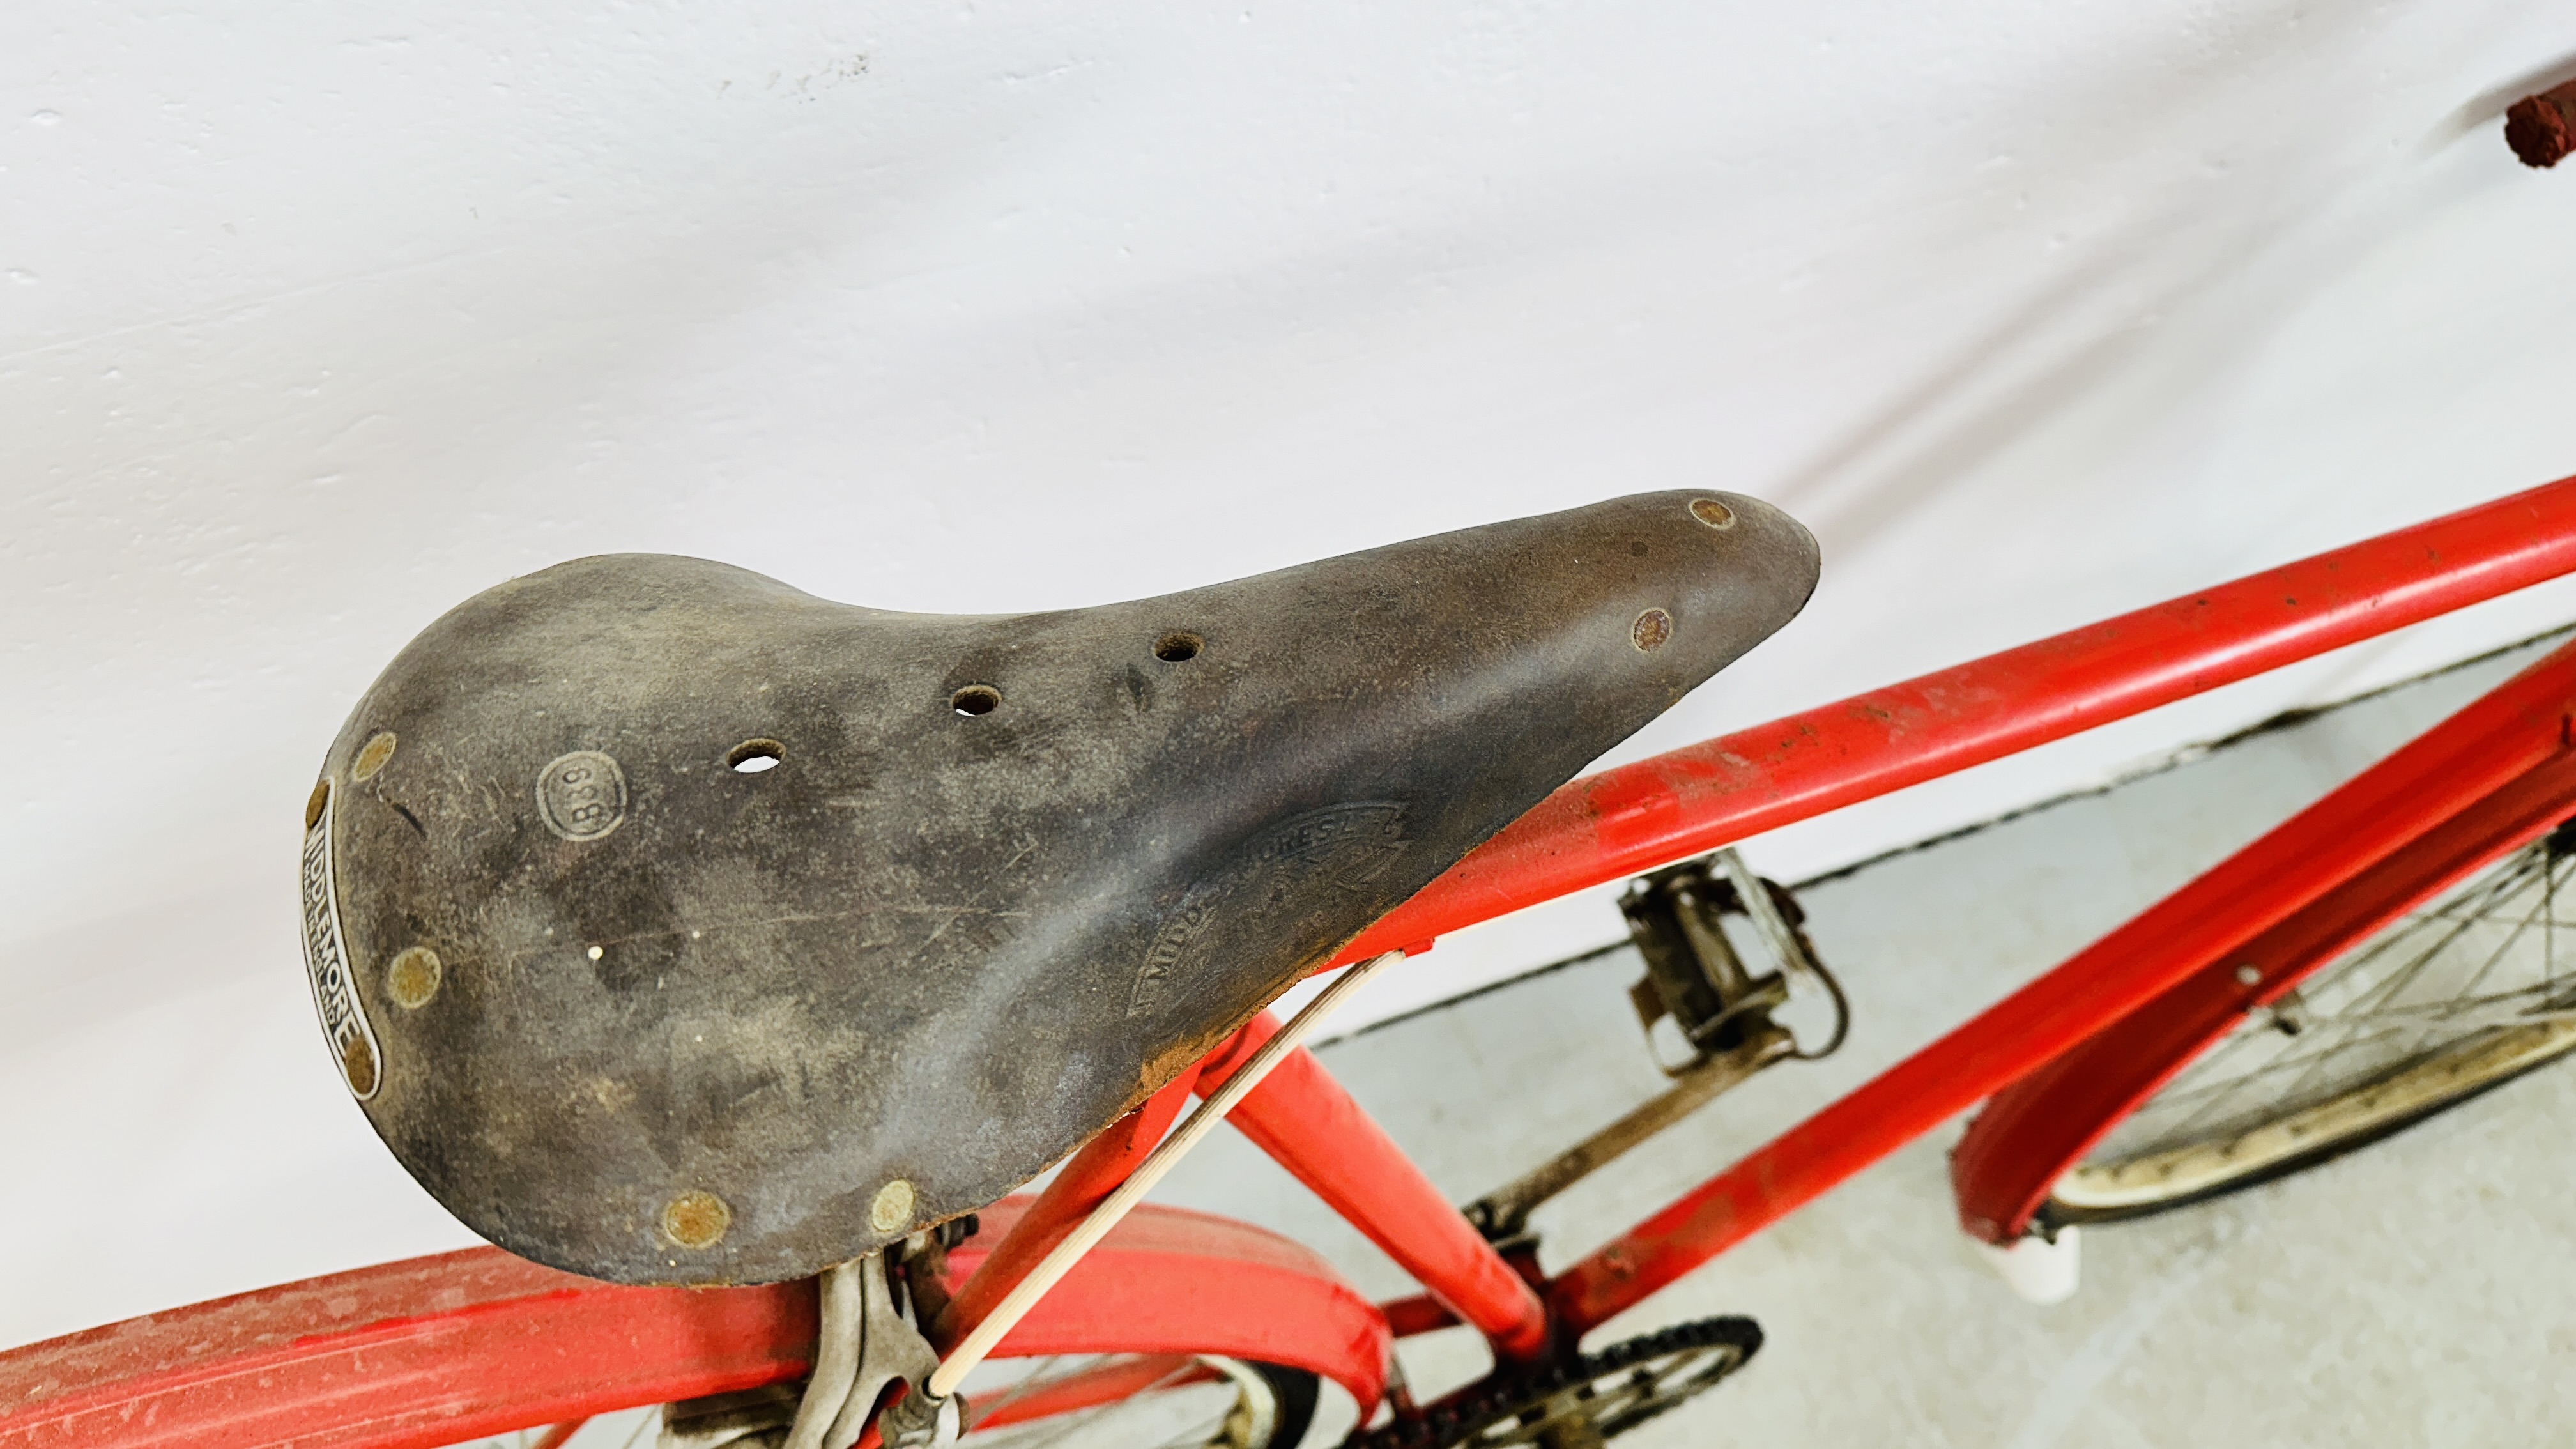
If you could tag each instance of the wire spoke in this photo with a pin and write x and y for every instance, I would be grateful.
(1056, 1429)
(2483, 958)
(1020, 1387)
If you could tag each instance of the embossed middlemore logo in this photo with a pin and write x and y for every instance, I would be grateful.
(326, 960)
(1296, 868)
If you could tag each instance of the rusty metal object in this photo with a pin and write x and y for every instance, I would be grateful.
(1503, 1214)
(2541, 128)
(1695, 976)
(696, 1219)
(413, 978)
(890, 1350)
(1650, 630)
(754, 1418)
(890, 1211)
(372, 757)
(1580, 1401)
(930, 943)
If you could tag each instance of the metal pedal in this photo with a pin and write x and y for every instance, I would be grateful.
(1696, 976)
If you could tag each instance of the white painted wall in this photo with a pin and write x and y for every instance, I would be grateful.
(316, 319)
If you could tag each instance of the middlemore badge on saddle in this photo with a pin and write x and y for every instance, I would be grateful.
(326, 961)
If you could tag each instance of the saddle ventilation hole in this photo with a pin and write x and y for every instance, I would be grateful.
(1178, 648)
(753, 756)
(975, 699)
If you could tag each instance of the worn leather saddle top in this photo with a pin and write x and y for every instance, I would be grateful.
(676, 926)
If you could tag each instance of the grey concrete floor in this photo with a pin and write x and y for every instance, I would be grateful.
(2415, 1294)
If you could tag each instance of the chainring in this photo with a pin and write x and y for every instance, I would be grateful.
(1584, 1400)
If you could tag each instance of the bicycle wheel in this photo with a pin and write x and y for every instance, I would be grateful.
(2454, 999)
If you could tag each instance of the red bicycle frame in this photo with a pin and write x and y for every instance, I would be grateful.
(1602, 828)
(2032, 1132)
(1624, 821)
(504, 1343)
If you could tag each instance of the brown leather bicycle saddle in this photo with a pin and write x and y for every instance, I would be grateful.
(631, 1009)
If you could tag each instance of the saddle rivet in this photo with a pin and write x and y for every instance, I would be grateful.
(1712, 513)
(358, 1063)
(696, 1219)
(413, 978)
(892, 1210)
(372, 756)
(1650, 631)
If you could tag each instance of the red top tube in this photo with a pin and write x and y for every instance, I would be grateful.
(1632, 819)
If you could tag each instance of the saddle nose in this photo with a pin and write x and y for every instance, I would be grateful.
(675, 926)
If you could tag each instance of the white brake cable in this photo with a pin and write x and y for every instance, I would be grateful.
(1024, 1294)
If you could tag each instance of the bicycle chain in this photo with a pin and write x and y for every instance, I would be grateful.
(1541, 1398)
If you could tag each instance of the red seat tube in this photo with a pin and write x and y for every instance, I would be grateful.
(1310, 1125)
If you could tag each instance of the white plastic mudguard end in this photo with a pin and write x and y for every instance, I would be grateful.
(2038, 1270)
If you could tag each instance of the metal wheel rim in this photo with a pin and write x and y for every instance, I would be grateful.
(1248, 1422)
(2413, 1049)
(2190, 1171)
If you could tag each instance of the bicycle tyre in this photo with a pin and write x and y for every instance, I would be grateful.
(2377, 1094)
(2100, 1193)
(2081, 1140)
(1299, 1392)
